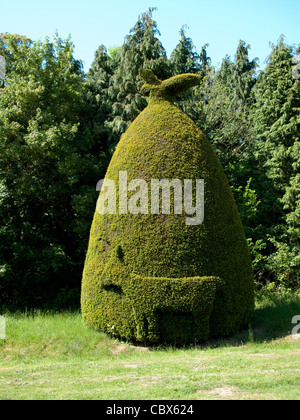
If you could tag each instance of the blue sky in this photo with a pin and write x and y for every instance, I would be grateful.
(221, 23)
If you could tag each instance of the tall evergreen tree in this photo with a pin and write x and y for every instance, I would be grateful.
(184, 58)
(244, 72)
(99, 105)
(225, 115)
(141, 49)
(225, 112)
(277, 119)
(205, 60)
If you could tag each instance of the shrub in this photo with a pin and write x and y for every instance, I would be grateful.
(153, 278)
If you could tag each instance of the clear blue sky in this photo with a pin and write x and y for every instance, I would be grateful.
(221, 23)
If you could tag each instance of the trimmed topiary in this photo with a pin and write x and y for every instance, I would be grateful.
(154, 277)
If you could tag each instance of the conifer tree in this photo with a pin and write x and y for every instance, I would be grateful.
(184, 58)
(244, 72)
(277, 119)
(97, 96)
(205, 60)
(225, 114)
(141, 49)
(226, 118)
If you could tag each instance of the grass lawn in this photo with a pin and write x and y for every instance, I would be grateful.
(55, 356)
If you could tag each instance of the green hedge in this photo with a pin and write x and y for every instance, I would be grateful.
(154, 309)
(152, 277)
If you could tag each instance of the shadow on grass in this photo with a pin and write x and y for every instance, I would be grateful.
(272, 319)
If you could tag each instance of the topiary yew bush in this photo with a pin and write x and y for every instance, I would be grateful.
(151, 277)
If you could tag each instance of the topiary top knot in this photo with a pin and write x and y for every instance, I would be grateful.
(169, 88)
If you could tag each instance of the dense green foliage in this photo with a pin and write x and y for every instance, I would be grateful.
(277, 151)
(146, 275)
(59, 127)
(49, 162)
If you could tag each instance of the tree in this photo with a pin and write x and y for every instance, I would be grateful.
(14, 50)
(244, 73)
(205, 61)
(225, 114)
(98, 86)
(277, 124)
(48, 174)
(141, 49)
(184, 58)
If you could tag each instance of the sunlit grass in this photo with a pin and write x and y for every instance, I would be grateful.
(56, 356)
